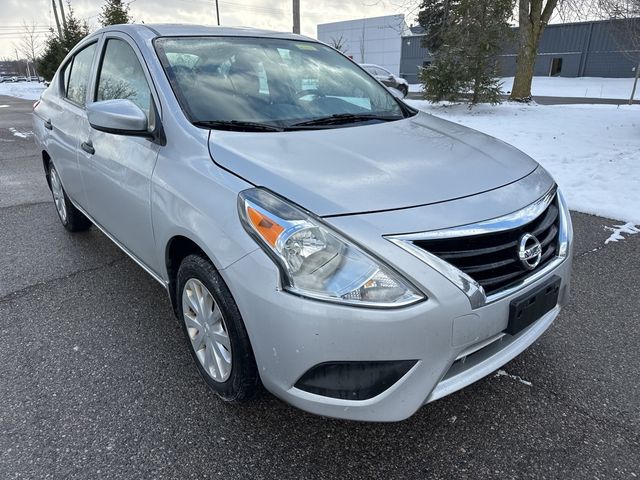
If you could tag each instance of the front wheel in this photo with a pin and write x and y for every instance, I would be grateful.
(215, 332)
(71, 218)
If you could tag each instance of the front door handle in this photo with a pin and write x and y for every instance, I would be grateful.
(47, 125)
(88, 147)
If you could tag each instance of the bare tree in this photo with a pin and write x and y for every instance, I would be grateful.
(339, 43)
(627, 31)
(30, 46)
(533, 17)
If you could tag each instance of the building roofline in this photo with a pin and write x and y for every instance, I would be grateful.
(550, 25)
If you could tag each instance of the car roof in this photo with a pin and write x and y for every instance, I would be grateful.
(372, 65)
(176, 29)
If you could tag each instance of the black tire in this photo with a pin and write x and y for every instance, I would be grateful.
(74, 220)
(404, 89)
(243, 382)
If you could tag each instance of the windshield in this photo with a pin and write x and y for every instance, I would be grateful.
(271, 82)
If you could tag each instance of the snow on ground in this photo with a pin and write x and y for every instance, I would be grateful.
(27, 90)
(20, 133)
(518, 378)
(593, 151)
(618, 230)
(581, 87)
(588, 87)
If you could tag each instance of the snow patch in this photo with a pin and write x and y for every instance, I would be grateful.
(26, 90)
(580, 87)
(618, 230)
(4, 106)
(20, 134)
(502, 373)
(591, 150)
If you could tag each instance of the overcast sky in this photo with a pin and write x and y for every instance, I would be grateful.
(270, 14)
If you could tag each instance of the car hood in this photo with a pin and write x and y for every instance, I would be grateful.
(415, 161)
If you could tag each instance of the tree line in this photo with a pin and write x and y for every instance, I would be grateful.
(465, 38)
(71, 30)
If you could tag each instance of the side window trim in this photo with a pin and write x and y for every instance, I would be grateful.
(66, 70)
(155, 106)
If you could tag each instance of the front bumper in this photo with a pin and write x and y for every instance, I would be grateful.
(290, 335)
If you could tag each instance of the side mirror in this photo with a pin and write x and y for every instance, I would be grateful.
(120, 117)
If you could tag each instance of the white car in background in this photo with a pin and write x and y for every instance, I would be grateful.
(387, 78)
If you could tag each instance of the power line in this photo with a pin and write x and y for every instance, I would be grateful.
(242, 6)
(22, 34)
(22, 26)
(255, 8)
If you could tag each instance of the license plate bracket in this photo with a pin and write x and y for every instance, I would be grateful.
(528, 308)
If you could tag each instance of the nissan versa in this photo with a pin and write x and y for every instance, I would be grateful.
(315, 233)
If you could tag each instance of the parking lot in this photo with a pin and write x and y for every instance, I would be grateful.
(96, 381)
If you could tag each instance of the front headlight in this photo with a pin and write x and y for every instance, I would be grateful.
(315, 261)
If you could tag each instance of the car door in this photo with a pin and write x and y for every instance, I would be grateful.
(117, 169)
(65, 115)
(385, 77)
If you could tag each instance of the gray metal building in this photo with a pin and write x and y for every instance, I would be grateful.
(584, 49)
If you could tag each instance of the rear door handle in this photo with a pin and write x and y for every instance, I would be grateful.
(47, 125)
(88, 147)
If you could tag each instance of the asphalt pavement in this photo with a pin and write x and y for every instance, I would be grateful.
(97, 382)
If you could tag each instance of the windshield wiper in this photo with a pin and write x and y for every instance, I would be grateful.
(341, 118)
(237, 125)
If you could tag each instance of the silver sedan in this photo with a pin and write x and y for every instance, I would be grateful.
(315, 234)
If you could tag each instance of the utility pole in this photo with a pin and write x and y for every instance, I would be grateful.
(217, 13)
(296, 16)
(55, 14)
(64, 19)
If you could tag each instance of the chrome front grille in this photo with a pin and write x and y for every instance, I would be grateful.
(491, 258)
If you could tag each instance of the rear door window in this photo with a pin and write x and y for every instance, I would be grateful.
(77, 80)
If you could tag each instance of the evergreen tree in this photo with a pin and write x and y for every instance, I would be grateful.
(114, 12)
(433, 17)
(466, 61)
(57, 48)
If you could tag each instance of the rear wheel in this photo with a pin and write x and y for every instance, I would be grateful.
(71, 218)
(215, 332)
(404, 89)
